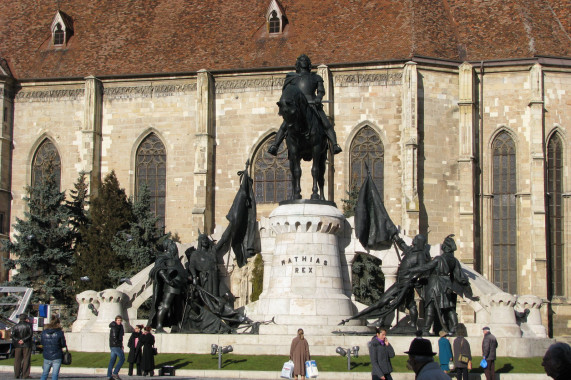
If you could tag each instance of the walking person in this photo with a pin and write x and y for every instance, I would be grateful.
(22, 343)
(462, 353)
(299, 354)
(53, 342)
(116, 333)
(381, 352)
(135, 350)
(489, 345)
(444, 351)
(147, 352)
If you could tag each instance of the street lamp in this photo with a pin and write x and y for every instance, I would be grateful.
(348, 352)
(214, 348)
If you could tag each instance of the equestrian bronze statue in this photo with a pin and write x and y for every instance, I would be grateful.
(305, 128)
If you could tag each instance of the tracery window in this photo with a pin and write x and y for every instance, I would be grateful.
(151, 169)
(59, 35)
(272, 177)
(367, 148)
(504, 227)
(555, 206)
(274, 23)
(45, 160)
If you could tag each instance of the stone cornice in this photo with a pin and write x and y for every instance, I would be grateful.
(358, 79)
(243, 85)
(159, 90)
(49, 95)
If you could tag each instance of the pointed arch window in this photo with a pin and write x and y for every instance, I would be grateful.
(367, 148)
(555, 207)
(272, 177)
(45, 160)
(275, 18)
(151, 169)
(504, 223)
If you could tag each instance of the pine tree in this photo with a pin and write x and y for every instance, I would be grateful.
(138, 244)
(368, 279)
(79, 217)
(110, 212)
(257, 278)
(350, 203)
(42, 245)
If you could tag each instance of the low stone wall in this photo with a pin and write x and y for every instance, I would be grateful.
(322, 345)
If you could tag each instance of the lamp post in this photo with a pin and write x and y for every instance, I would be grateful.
(348, 352)
(214, 348)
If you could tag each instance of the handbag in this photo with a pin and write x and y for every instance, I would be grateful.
(66, 357)
(483, 363)
(451, 365)
(463, 358)
(311, 369)
(287, 370)
(155, 351)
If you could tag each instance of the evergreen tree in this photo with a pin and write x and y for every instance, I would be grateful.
(368, 279)
(42, 245)
(79, 217)
(110, 213)
(350, 203)
(138, 244)
(257, 278)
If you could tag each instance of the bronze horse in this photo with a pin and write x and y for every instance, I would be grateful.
(305, 140)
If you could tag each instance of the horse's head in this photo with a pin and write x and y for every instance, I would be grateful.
(288, 110)
(291, 104)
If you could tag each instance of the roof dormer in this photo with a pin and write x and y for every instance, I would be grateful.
(61, 29)
(275, 18)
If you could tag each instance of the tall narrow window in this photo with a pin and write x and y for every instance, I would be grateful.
(45, 160)
(59, 35)
(367, 149)
(274, 23)
(272, 177)
(555, 204)
(151, 169)
(504, 247)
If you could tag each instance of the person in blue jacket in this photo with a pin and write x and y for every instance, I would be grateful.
(444, 351)
(53, 342)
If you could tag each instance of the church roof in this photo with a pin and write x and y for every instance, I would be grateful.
(137, 37)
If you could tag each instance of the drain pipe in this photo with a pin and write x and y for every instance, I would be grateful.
(480, 261)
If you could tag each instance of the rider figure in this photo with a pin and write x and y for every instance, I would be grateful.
(311, 85)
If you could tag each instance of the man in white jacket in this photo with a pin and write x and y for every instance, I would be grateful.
(421, 361)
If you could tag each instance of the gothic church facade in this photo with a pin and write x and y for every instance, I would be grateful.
(462, 110)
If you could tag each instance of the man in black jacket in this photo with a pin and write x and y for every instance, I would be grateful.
(381, 352)
(22, 343)
(116, 345)
(489, 345)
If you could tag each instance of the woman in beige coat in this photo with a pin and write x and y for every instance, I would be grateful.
(299, 354)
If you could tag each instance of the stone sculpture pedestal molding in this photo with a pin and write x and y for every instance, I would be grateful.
(305, 286)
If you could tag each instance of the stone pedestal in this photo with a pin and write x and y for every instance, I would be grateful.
(85, 313)
(532, 326)
(111, 304)
(305, 278)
